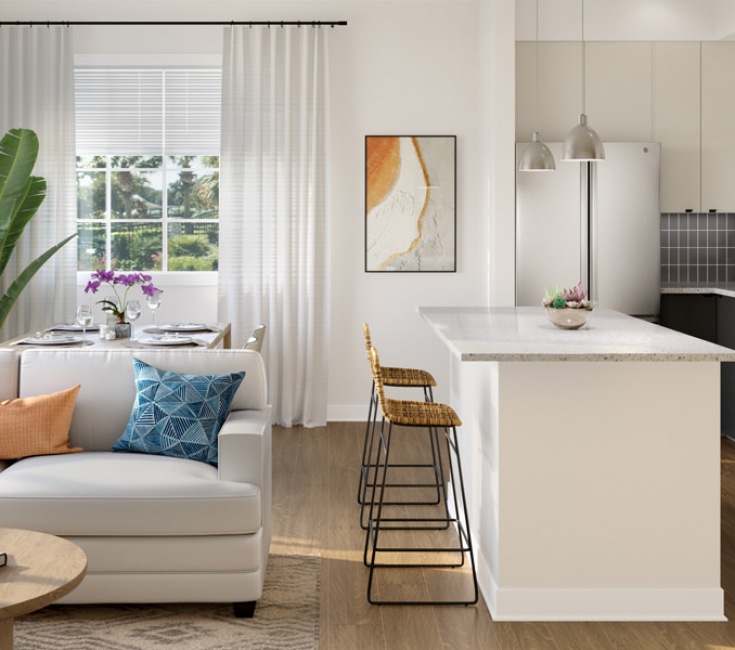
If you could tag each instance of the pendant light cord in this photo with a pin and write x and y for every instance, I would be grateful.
(538, 101)
(584, 66)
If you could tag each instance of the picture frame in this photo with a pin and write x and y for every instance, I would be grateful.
(410, 204)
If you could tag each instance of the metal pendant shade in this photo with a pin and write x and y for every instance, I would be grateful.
(582, 143)
(537, 157)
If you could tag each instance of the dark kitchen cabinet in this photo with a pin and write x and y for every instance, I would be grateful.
(691, 313)
(712, 318)
(726, 337)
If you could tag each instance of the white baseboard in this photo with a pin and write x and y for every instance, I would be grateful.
(347, 412)
(614, 604)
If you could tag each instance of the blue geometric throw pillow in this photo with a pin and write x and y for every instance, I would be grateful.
(176, 414)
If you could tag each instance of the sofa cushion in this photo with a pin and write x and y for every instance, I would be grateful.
(103, 493)
(108, 384)
(31, 426)
(178, 414)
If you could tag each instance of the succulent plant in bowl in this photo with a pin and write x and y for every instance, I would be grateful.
(567, 308)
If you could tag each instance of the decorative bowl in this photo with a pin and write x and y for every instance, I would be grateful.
(568, 319)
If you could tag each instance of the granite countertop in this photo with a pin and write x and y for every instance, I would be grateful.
(525, 334)
(720, 290)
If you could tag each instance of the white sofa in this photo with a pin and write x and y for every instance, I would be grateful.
(155, 528)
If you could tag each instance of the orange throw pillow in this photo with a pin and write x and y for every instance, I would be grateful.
(38, 425)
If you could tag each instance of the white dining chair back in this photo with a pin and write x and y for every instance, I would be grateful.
(255, 342)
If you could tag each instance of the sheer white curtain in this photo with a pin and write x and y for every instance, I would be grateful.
(274, 222)
(37, 92)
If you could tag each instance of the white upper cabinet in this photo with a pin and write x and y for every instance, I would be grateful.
(718, 126)
(617, 97)
(676, 123)
(619, 91)
(525, 91)
(558, 89)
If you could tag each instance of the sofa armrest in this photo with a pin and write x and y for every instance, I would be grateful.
(245, 447)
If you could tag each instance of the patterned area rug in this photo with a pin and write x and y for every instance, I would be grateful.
(286, 617)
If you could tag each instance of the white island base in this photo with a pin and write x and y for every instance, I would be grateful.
(593, 485)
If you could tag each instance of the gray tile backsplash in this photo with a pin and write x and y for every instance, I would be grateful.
(697, 248)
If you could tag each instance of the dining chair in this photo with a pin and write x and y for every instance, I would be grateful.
(255, 342)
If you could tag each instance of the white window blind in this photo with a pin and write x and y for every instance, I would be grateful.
(148, 112)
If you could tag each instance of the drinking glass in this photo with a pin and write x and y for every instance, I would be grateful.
(153, 302)
(84, 320)
(133, 313)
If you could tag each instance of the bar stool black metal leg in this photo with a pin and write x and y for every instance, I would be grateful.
(463, 529)
(368, 471)
(374, 517)
(370, 482)
(365, 462)
(460, 519)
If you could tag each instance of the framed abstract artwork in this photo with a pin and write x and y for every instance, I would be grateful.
(410, 203)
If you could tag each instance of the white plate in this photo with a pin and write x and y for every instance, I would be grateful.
(166, 340)
(51, 340)
(71, 327)
(184, 327)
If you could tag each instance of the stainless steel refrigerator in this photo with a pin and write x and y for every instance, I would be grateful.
(616, 202)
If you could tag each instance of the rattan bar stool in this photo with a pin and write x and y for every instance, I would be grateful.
(398, 378)
(454, 541)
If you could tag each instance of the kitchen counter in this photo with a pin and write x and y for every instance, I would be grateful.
(727, 290)
(591, 461)
(526, 334)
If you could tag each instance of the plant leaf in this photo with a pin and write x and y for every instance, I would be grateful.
(18, 153)
(15, 289)
(24, 210)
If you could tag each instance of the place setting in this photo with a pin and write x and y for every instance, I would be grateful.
(171, 334)
(51, 339)
(65, 334)
(175, 334)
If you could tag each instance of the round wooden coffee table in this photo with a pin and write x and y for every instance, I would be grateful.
(41, 568)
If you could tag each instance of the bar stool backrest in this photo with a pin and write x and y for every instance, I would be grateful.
(368, 341)
(377, 378)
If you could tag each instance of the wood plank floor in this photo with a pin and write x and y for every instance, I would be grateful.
(315, 512)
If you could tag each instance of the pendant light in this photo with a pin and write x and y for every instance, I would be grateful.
(537, 157)
(582, 142)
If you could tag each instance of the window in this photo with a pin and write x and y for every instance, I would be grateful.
(148, 169)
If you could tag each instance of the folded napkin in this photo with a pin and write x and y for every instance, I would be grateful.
(73, 327)
(181, 328)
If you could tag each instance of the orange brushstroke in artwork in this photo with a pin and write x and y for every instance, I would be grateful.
(383, 162)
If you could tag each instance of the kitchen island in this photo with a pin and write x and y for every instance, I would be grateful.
(592, 464)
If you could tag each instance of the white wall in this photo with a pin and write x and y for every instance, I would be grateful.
(399, 68)
(497, 123)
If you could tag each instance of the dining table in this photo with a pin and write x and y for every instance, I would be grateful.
(163, 335)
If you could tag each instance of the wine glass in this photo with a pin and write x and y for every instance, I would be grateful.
(84, 320)
(132, 311)
(153, 302)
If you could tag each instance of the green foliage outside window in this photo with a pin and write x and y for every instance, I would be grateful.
(146, 197)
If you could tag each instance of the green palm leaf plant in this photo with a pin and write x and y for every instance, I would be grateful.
(21, 194)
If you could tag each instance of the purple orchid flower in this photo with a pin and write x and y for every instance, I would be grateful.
(127, 280)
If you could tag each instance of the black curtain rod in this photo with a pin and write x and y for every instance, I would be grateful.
(251, 23)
